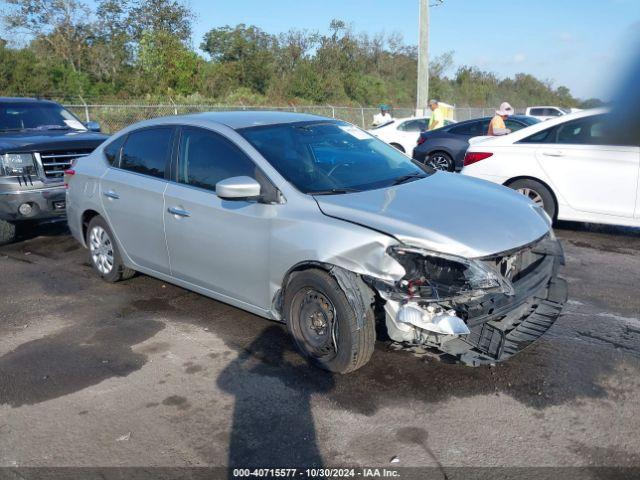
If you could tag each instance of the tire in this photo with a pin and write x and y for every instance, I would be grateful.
(315, 295)
(103, 252)
(398, 147)
(538, 193)
(440, 161)
(7, 232)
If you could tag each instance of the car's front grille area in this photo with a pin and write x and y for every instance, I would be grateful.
(55, 163)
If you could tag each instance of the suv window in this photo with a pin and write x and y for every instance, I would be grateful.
(552, 112)
(473, 129)
(207, 158)
(112, 151)
(147, 151)
(413, 126)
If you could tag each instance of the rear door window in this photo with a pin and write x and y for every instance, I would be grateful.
(585, 131)
(112, 151)
(207, 158)
(514, 125)
(472, 129)
(545, 136)
(147, 151)
(418, 125)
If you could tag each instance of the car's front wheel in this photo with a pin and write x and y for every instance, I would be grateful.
(7, 232)
(103, 252)
(538, 194)
(324, 325)
(440, 161)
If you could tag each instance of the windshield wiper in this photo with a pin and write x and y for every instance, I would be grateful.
(335, 191)
(406, 178)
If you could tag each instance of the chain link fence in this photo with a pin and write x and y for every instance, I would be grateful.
(113, 117)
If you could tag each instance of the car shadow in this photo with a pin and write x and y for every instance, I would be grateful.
(272, 421)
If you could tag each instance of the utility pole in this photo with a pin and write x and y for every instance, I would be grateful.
(423, 59)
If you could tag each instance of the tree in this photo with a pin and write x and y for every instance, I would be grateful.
(63, 25)
(168, 16)
(248, 48)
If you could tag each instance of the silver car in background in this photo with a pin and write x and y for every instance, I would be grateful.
(313, 222)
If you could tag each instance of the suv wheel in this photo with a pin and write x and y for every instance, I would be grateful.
(324, 325)
(103, 252)
(7, 232)
(440, 161)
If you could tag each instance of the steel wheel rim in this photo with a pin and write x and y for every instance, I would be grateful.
(101, 249)
(532, 195)
(439, 162)
(317, 320)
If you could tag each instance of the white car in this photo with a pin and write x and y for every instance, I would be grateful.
(547, 112)
(568, 166)
(403, 133)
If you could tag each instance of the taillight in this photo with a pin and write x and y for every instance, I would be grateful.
(473, 157)
(421, 140)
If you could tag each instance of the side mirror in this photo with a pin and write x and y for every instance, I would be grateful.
(238, 188)
(93, 126)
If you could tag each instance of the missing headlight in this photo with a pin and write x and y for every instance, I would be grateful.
(437, 276)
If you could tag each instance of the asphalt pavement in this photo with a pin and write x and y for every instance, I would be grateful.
(143, 373)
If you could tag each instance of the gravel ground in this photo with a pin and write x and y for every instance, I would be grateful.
(143, 373)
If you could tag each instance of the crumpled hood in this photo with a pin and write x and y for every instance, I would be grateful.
(444, 212)
(28, 141)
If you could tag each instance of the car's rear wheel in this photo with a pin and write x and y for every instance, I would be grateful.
(324, 325)
(7, 232)
(398, 146)
(538, 194)
(103, 252)
(440, 161)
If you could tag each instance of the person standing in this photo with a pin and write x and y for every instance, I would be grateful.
(496, 125)
(437, 117)
(383, 117)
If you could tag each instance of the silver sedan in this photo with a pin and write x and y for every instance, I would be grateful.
(313, 222)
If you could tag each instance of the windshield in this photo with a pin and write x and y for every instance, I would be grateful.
(20, 116)
(331, 157)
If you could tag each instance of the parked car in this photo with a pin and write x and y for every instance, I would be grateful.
(402, 133)
(38, 140)
(547, 112)
(313, 222)
(444, 148)
(568, 166)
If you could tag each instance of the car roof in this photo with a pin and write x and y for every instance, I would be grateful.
(24, 100)
(249, 118)
(486, 119)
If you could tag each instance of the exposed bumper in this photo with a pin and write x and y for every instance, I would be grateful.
(498, 339)
(498, 325)
(45, 203)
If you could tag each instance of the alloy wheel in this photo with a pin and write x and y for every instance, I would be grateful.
(439, 162)
(532, 195)
(101, 248)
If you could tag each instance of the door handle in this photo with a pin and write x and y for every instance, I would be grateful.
(111, 194)
(553, 153)
(178, 212)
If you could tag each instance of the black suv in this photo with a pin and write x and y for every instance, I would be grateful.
(39, 139)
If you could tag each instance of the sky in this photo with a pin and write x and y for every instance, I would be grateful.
(582, 44)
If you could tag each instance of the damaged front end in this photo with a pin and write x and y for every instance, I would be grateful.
(476, 310)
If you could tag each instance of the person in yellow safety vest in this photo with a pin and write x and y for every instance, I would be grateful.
(496, 125)
(437, 117)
